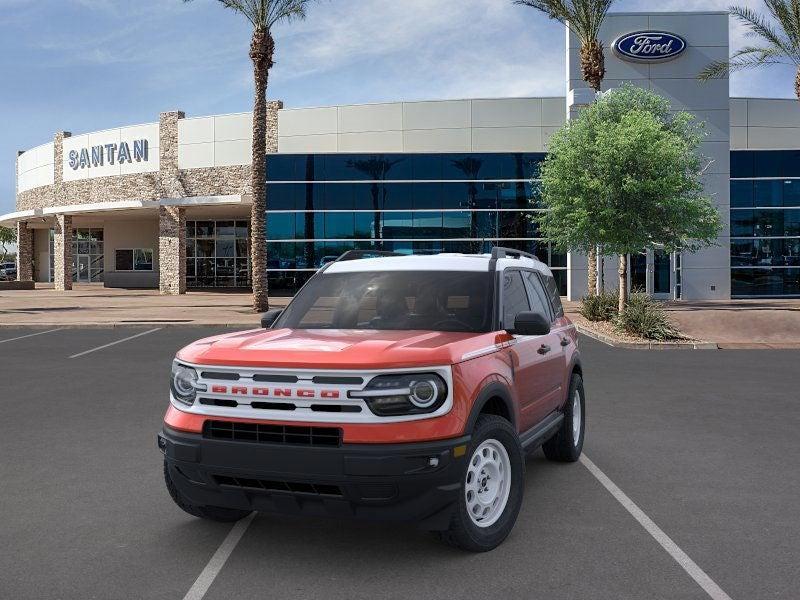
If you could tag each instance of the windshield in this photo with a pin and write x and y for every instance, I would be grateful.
(399, 300)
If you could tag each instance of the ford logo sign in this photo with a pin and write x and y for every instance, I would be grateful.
(649, 46)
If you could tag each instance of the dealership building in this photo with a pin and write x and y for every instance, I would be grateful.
(167, 204)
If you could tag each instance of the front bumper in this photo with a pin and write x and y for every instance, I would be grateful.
(397, 482)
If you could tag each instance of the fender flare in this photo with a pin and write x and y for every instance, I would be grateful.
(491, 390)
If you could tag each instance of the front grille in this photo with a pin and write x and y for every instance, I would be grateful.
(273, 434)
(317, 489)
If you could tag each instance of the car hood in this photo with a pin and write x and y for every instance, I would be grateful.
(336, 348)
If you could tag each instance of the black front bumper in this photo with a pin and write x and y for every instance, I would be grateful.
(399, 482)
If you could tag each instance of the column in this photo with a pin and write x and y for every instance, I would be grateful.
(171, 250)
(62, 250)
(24, 252)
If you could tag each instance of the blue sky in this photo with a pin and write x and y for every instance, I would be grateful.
(84, 65)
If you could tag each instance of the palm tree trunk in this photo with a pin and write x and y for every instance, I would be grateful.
(797, 84)
(592, 272)
(623, 282)
(261, 51)
(593, 67)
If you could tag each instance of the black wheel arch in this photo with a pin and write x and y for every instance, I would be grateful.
(495, 399)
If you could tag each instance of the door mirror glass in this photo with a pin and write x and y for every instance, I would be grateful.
(531, 323)
(269, 317)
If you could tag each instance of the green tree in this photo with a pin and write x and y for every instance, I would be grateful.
(263, 15)
(626, 174)
(7, 236)
(778, 37)
(584, 19)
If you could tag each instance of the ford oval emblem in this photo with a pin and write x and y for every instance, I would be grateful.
(649, 46)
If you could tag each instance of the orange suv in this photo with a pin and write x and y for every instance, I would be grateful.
(395, 387)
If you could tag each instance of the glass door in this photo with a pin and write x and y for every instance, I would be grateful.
(662, 272)
(83, 269)
(651, 272)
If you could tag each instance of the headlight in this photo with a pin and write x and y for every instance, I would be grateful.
(183, 383)
(403, 394)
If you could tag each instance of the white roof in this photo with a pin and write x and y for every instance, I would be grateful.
(432, 262)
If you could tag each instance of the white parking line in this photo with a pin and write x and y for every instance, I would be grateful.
(688, 565)
(22, 337)
(115, 343)
(214, 566)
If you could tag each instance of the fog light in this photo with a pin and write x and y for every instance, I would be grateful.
(162, 443)
(433, 462)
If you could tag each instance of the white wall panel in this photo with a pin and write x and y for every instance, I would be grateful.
(507, 112)
(233, 127)
(195, 156)
(773, 113)
(371, 141)
(698, 29)
(299, 144)
(554, 111)
(739, 138)
(196, 131)
(507, 139)
(308, 121)
(437, 140)
(370, 117)
(738, 108)
(233, 152)
(437, 115)
(766, 138)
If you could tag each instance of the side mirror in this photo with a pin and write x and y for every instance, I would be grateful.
(269, 317)
(531, 323)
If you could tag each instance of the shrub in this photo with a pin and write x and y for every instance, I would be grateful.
(601, 307)
(646, 318)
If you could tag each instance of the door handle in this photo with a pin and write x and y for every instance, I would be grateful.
(543, 349)
(565, 341)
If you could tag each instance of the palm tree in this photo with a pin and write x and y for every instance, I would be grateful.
(584, 19)
(263, 15)
(377, 169)
(780, 41)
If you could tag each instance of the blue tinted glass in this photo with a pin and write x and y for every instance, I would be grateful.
(427, 224)
(339, 196)
(397, 196)
(768, 163)
(557, 259)
(768, 193)
(281, 167)
(339, 225)
(280, 226)
(741, 194)
(791, 222)
(768, 222)
(765, 282)
(526, 166)
(427, 195)
(457, 225)
(398, 167)
(282, 196)
(404, 247)
(455, 195)
(485, 194)
(486, 224)
(426, 166)
(791, 192)
(742, 164)
(428, 247)
(513, 224)
(365, 225)
(463, 166)
(742, 223)
(515, 195)
(397, 225)
(790, 165)
(340, 167)
(367, 196)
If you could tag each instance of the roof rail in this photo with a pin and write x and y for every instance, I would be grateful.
(500, 252)
(357, 254)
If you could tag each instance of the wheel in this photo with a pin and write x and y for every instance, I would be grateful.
(566, 445)
(491, 488)
(212, 513)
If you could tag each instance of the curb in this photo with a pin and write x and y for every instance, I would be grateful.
(645, 345)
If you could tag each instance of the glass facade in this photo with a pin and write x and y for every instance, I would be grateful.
(217, 254)
(321, 205)
(88, 262)
(765, 223)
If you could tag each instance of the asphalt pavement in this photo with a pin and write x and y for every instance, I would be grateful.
(703, 442)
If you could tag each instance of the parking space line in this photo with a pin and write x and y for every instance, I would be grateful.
(214, 566)
(695, 572)
(115, 343)
(22, 337)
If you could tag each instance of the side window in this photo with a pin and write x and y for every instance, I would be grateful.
(538, 296)
(555, 298)
(515, 299)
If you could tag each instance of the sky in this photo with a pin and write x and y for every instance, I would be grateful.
(86, 65)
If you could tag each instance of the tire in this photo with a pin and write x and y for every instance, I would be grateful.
(211, 513)
(567, 444)
(495, 436)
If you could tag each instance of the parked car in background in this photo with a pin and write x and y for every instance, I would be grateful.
(8, 271)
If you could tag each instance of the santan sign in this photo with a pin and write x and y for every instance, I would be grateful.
(649, 46)
(97, 156)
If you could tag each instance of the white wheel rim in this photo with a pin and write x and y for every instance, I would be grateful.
(576, 417)
(488, 483)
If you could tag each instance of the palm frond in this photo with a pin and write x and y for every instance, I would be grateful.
(745, 58)
(583, 17)
(787, 14)
(759, 26)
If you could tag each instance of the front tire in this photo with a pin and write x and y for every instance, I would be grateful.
(567, 444)
(212, 513)
(491, 490)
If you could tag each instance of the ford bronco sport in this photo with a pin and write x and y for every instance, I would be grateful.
(398, 387)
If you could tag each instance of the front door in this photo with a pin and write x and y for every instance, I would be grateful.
(650, 272)
(662, 272)
(83, 268)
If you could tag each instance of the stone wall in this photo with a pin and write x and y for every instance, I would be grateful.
(62, 253)
(172, 250)
(24, 252)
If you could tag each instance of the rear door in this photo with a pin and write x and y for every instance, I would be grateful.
(531, 356)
